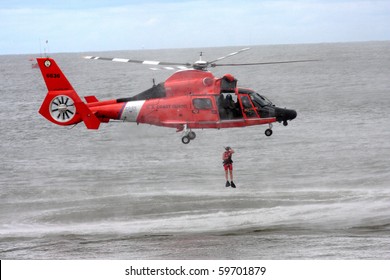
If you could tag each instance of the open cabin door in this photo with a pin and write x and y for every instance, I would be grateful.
(235, 107)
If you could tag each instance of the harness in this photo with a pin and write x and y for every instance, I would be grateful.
(229, 158)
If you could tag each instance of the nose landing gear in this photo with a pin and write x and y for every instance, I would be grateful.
(268, 131)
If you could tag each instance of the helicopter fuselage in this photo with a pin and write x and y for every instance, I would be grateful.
(189, 99)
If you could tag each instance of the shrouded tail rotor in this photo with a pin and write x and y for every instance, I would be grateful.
(62, 108)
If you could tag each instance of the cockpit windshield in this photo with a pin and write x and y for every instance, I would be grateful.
(260, 100)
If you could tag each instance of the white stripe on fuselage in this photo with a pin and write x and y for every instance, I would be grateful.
(131, 111)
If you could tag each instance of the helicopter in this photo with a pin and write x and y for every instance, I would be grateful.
(191, 98)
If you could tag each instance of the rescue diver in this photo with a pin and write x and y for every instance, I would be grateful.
(228, 166)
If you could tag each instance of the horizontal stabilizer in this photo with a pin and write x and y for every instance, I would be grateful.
(91, 99)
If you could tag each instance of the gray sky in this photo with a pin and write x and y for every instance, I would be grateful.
(98, 25)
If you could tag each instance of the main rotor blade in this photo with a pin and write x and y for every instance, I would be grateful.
(262, 63)
(147, 62)
(229, 55)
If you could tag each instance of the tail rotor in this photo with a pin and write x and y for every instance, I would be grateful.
(62, 108)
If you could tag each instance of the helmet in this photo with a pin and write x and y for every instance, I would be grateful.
(227, 148)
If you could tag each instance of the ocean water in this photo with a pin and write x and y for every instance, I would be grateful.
(316, 189)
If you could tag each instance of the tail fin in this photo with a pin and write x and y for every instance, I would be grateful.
(62, 104)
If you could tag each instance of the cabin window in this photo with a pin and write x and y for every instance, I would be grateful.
(202, 103)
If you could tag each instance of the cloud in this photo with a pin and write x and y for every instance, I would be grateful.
(73, 26)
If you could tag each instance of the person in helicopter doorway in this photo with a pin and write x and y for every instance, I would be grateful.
(228, 166)
(221, 106)
(230, 107)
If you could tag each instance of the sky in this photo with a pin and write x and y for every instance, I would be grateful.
(102, 25)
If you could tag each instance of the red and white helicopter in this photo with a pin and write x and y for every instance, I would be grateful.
(192, 98)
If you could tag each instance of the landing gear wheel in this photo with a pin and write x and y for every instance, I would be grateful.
(285, 123)
(192, 135)
(185, 139)
(268, 132)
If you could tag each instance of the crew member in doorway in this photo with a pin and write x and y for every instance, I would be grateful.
(230, 107)
(228, 166)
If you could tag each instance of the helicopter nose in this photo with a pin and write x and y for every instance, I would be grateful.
(291, 114)
(284, 115)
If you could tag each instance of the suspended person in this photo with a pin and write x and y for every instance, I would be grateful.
(228, 166)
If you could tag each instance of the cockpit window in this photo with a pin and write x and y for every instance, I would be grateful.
(260, 100)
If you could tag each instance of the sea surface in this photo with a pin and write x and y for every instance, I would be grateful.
(316, 189)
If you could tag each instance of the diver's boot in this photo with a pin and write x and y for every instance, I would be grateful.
(227, 184)
(233, 185)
